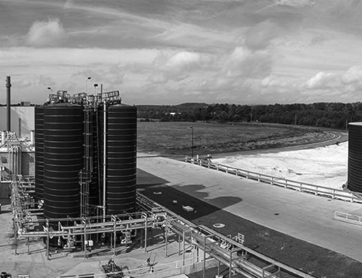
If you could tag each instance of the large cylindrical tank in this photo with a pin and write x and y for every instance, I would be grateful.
(355, 157)
(63, 159)
(39, 152)
(121, 153)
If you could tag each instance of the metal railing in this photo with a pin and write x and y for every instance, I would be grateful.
(278, 181)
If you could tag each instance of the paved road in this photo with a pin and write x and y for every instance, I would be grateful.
(301, 215)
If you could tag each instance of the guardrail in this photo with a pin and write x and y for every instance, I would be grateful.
(347, 217)
(278, 181)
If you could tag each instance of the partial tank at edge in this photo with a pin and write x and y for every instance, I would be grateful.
(63, 159)
(355, 157)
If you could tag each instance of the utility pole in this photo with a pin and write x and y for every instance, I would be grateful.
(192, 141)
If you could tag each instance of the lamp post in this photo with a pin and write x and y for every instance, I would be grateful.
(86, 83)
(192, 141)
(50, 89)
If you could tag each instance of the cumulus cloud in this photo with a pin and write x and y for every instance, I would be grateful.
(178, 66)
(323, 80)
(45, 33)
(352, 75)
(183, 59)
(244, 63)
(326, 86)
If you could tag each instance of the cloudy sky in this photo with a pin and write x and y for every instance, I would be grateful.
(176, 51)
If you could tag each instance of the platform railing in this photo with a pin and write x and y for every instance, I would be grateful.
(277, 181)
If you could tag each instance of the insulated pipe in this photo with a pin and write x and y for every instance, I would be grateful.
(8, 86)
(20, 160)
(32, 137)
(3, 137)
(104, 157)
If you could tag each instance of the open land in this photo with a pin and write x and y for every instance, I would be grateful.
(177, 138)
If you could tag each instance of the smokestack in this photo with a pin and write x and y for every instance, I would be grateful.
(8, 101)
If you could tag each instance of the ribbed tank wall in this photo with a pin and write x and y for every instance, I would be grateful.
(121, 150)
(355, 157)
(39, 152)
(63, 159)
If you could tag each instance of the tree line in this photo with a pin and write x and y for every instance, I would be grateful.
(321, 114)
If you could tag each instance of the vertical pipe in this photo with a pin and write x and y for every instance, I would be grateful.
(166, 229)
(8, 101)
(204, 265)
(183, 248)
(3, 137)
(20, 160)
(19, 128)
(179, 244)
(15, 230)
(32, 137)
(115, 239)
(47, 250)
(85, 239)
(146, 234)
(230, 264)
(104, 157)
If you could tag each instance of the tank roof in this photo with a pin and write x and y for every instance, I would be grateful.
(356, 123)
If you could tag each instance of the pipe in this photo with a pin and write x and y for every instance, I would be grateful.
(32, 137)
(20, 160)
(8, 86)
(104, 157)
(3, 137)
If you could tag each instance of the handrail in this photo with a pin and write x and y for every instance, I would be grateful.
(317, 190)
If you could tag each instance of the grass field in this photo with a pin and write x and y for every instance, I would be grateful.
(176, 138)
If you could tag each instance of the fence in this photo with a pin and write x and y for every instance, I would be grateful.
(278, 181)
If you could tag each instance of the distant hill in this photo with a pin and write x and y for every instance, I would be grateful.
(192, 105)
(186, 105)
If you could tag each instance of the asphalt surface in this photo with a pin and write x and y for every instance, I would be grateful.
(303, 216)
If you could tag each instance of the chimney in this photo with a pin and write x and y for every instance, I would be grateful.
(8, 102)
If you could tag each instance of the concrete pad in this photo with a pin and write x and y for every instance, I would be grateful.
(301, 215)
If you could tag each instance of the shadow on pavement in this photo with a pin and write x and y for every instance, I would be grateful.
(174, 199)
